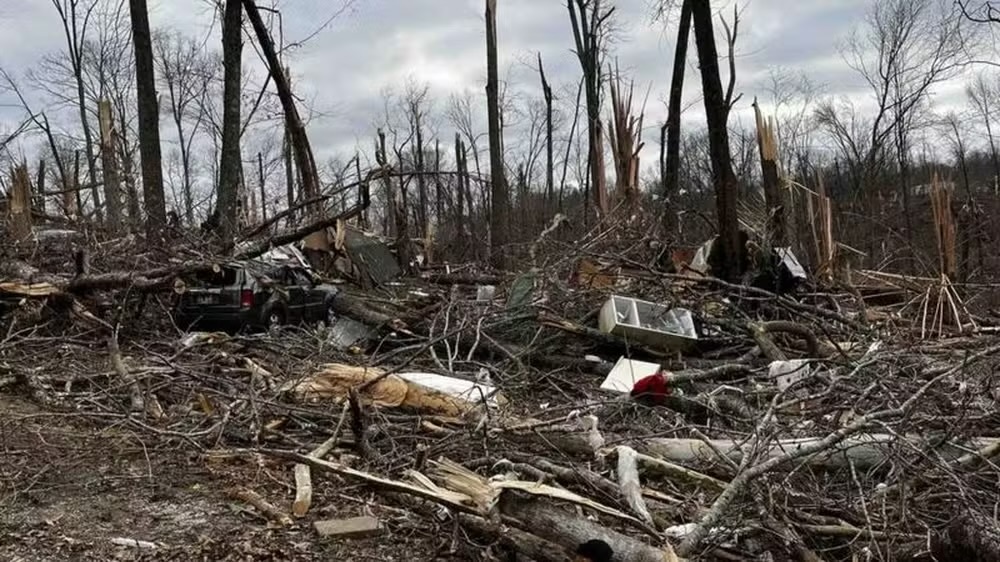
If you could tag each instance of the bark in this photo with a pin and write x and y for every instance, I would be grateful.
(109, 161)
(297, 131)
(229, 163)
(499, 205)
(149, 122)
(672, 163)
(731, 264)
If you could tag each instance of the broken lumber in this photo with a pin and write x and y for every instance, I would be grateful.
(303, 491)
(355, 527)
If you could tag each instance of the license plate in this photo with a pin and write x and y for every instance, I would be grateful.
(205, 299)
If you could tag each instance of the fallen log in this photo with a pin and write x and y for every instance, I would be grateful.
(628, 481)
(564, 528)
(523, 542)
(863, 451)
(972, 536)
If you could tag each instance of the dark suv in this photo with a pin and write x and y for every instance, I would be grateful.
(252, 295)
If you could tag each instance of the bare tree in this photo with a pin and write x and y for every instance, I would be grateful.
(185, 74)
(589, 19)
(673, 125)
(499, 209)
(903, 49)
(297, 131)
(730, 263)
(982, 94)
(75, 16)
(415, 108)
(149, 121)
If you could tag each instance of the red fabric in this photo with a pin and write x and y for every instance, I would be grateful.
(653, 388)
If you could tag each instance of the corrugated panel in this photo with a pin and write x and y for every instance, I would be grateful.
(371, 256)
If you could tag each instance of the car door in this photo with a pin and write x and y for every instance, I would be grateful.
(312, 310)
(296, 295)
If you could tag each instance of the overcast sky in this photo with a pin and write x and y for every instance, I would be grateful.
(381, 43)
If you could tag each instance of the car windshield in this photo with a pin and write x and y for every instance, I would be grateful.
(225, 277)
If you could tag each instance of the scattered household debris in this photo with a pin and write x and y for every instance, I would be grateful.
(345, 333)
(437, 409)
(369, 257)
(486, 293)
(521, 291)
(626, 373)
(788, 373)
(649, 323)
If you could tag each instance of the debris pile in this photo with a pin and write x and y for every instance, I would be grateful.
(807, 425)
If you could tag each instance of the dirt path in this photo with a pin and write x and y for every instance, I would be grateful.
(68, 486)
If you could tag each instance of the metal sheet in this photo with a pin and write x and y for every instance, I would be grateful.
(371, 256)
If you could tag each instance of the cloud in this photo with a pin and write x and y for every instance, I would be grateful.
(380, 43)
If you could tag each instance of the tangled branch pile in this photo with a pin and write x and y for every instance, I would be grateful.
(805, 426)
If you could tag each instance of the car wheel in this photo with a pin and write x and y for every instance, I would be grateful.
(274, 319)
(329, 317)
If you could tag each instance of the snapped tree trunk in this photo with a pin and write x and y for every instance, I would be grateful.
(499, 201)
(149, 122)
(109, 161)
(460, 195)
(421, 178)
(587, 36)
(767, 144)
(730, 263)
(229, 163)
(20, 203)
(672, 164)
(40, 185)
(297, 131)
(550, 178)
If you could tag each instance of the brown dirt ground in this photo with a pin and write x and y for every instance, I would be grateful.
(69, 485)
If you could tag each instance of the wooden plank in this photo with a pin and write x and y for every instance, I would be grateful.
(355, 527)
